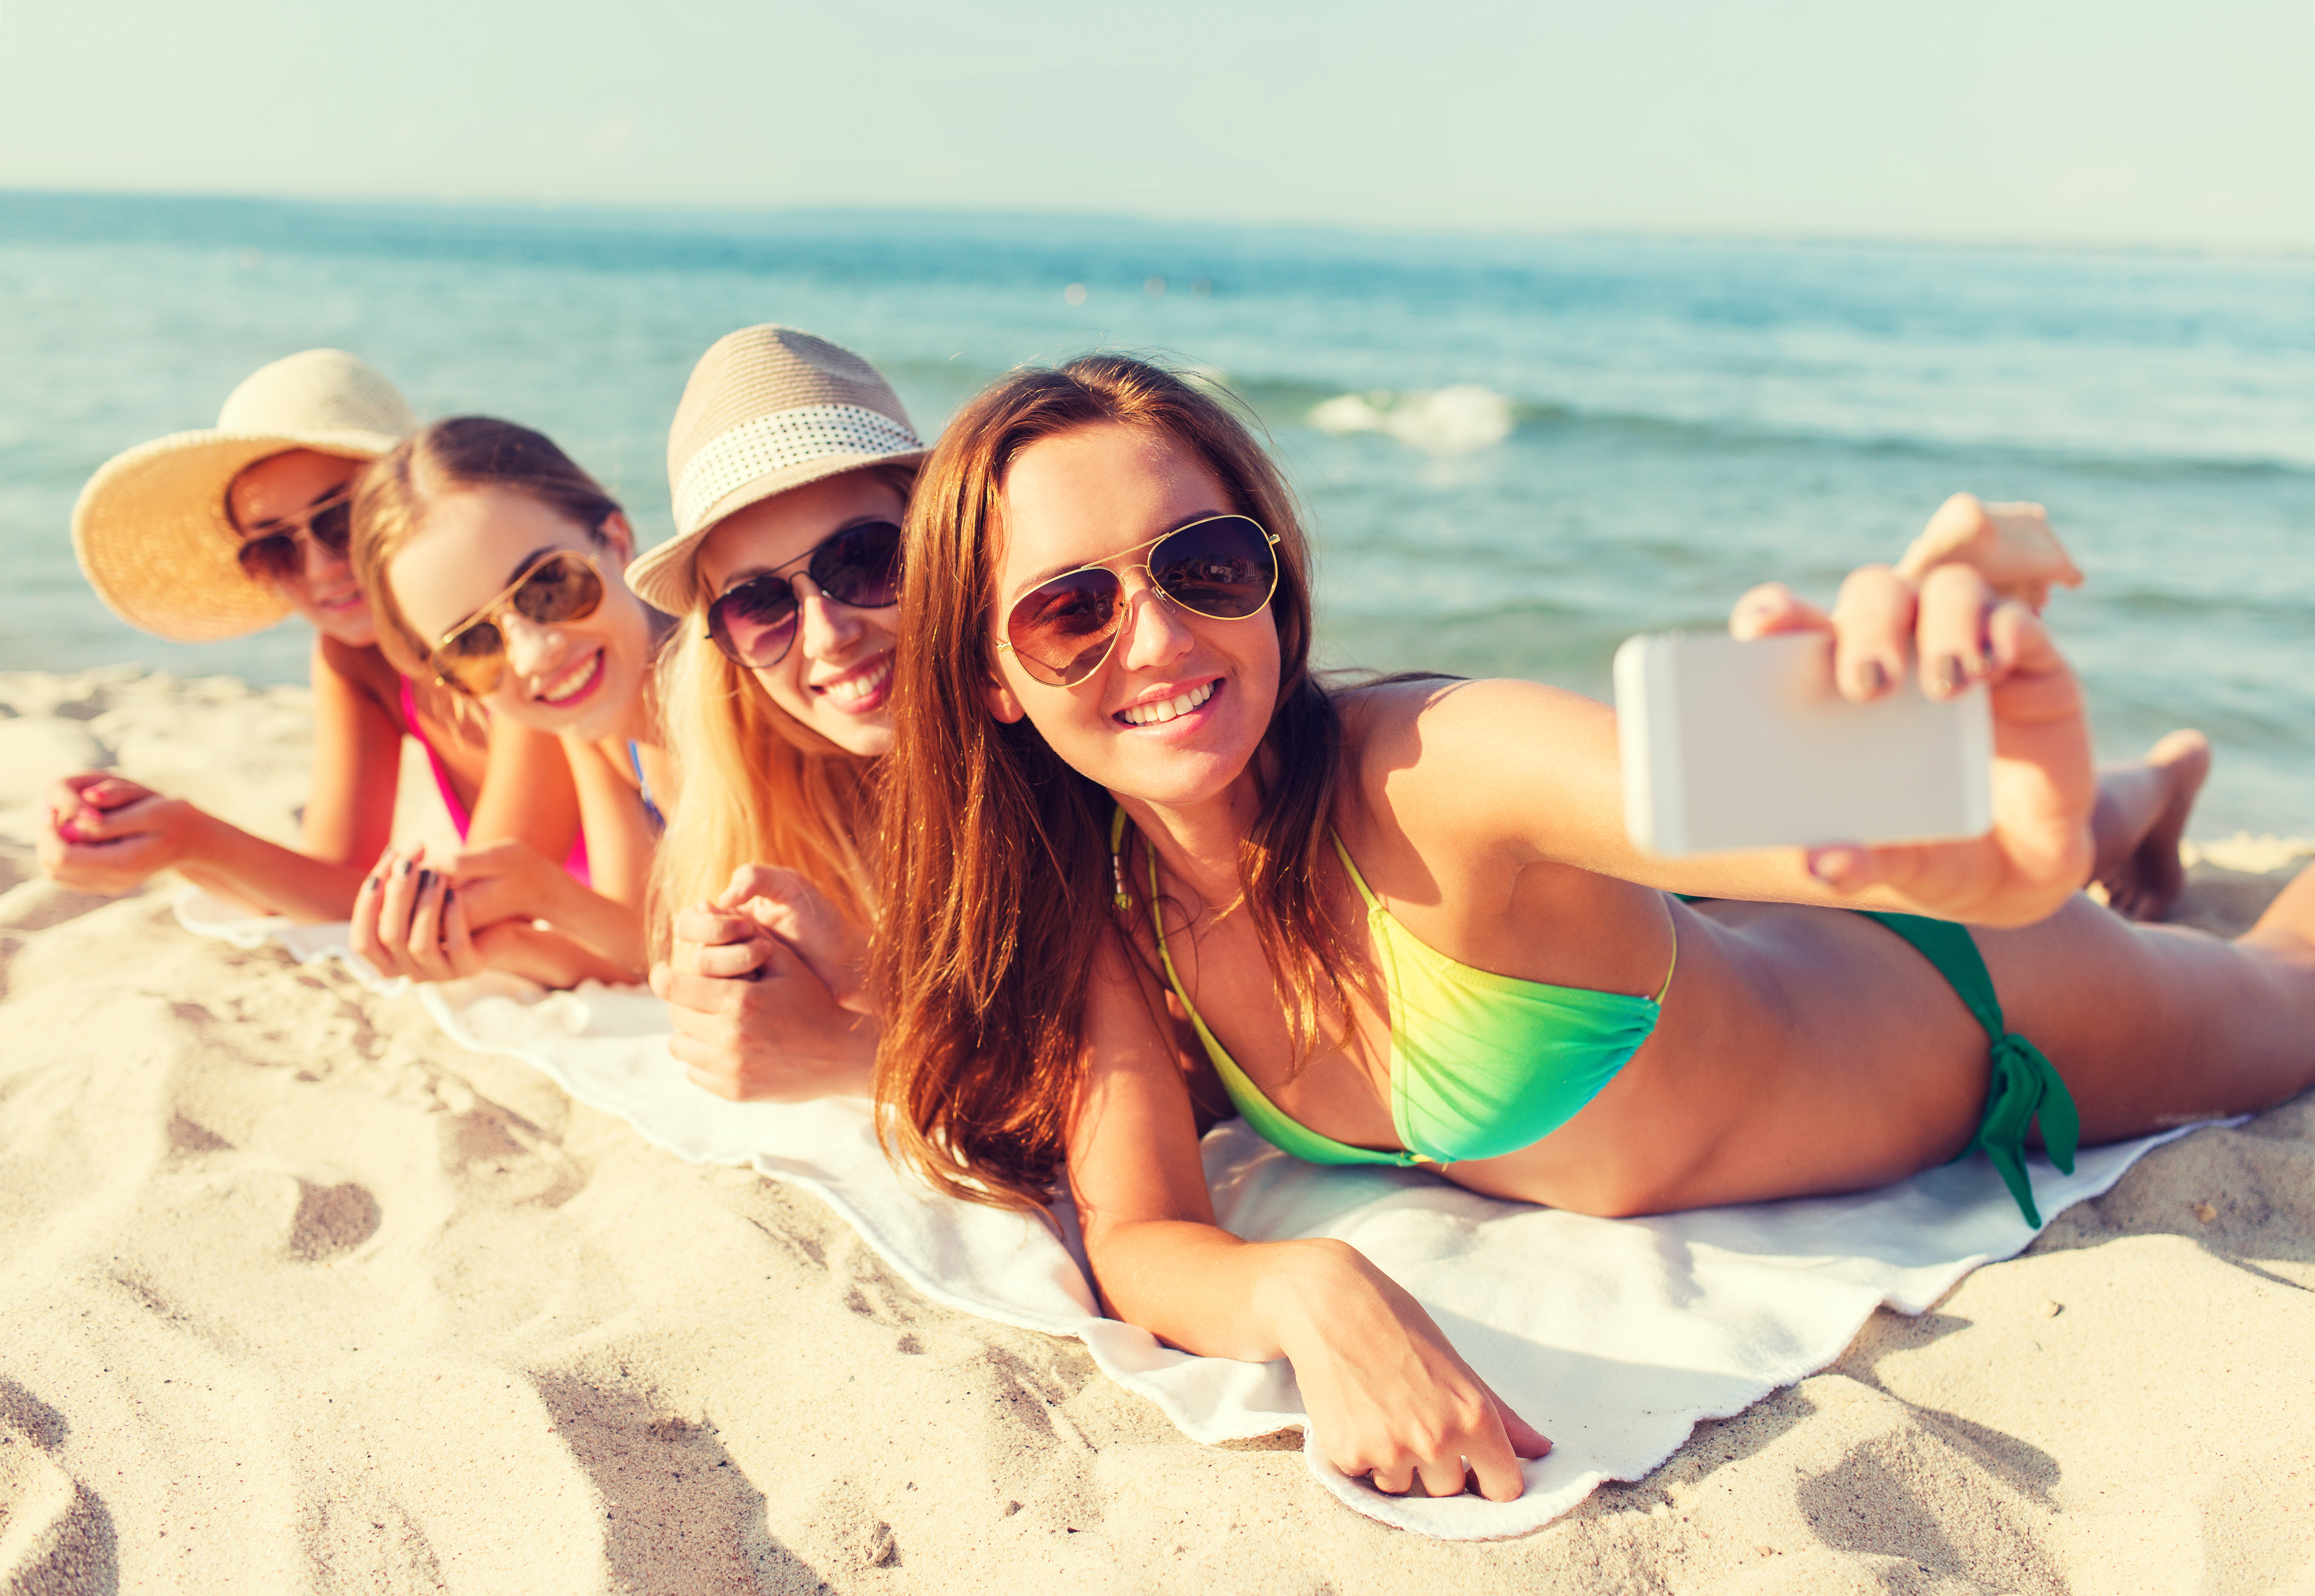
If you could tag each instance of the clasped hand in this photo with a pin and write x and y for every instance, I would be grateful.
(764, 989)
(475, 912)
(107, 834)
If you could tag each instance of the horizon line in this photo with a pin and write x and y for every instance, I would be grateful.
(2266, 249)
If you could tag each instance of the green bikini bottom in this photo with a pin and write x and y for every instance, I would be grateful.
(2025, 1084)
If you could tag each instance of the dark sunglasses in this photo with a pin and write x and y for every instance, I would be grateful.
(561, 585)
(755, 623)
(274, 556)
(1224, 568)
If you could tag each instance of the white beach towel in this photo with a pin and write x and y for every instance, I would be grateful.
(1613, 1336)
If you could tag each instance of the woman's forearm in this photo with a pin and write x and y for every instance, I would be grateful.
(547, 957)
(1207, 1291)
(611, 929)
(227, 862)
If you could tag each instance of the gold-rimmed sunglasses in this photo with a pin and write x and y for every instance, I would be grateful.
(560, 585)
(1223, 567)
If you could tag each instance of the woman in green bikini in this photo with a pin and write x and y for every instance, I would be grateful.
(1141, 848)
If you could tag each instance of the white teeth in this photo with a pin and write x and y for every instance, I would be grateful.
(571, 681)
(1167, 709)
(851, 689)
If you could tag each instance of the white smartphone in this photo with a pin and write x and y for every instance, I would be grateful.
(1730, 745)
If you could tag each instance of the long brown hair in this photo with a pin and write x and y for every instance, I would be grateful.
(995, 853)
(759, 786)
(453, 456)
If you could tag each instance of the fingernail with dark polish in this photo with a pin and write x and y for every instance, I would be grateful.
(448, 894)
(1951, 674)
(407, 866)
(1876, 675)
(425, 880)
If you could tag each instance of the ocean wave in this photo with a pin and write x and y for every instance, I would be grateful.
(1427, 419)
(1460, 419)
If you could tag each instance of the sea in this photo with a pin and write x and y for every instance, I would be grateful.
(1513, 451)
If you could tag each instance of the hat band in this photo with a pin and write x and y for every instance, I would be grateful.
(776, 442)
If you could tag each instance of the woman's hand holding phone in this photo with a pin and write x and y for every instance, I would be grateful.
(2012, 545)
(1955, 631)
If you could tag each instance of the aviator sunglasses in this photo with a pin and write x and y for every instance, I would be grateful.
(561, 585)
(273, 555)
(755, 622)
(1224, 568)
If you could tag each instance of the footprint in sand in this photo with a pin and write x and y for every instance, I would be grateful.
(38, 905)
(332, 1219)
(55, 1533)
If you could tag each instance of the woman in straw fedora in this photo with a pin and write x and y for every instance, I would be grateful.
(209, 534)
(791, 461)
(490, 554)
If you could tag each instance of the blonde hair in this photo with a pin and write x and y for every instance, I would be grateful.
(760, 787)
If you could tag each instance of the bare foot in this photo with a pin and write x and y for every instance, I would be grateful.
(2149, 878)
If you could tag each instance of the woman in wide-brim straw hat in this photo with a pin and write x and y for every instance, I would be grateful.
(791, 461)
(210, 534)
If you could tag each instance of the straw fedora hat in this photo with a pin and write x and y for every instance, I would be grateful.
(151, 530)
(766, 409)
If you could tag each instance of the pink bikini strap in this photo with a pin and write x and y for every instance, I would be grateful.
(410, 723)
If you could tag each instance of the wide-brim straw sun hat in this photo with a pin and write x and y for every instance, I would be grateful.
(767, 409)
(151, 529)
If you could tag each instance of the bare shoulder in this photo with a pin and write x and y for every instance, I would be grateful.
(1405, 720)
(1441, 753)
(360, 672)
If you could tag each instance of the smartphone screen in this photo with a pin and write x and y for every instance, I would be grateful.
(1728, 745)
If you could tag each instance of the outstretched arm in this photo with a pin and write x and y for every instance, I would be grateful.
(108, 834)
(1387, 1395)
(1484, 764)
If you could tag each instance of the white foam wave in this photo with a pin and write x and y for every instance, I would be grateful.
(1456, 421)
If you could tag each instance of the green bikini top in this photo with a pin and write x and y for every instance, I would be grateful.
(1480, 1064)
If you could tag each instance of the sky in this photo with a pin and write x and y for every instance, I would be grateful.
(2044, 121)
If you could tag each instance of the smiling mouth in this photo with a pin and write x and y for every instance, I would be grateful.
(1168, 709)
(345, 600)
(861, 688)
(574, 684)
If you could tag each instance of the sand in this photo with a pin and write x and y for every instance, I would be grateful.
(295, 1295)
